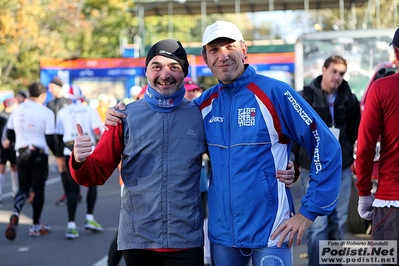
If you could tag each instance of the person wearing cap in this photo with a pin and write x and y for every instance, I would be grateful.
(65, 129)
(7, 151)
(56, 88)
(160, 142)
(21, 96)
(380, 121)
(31, 127)
(193, 90)
(250, 121)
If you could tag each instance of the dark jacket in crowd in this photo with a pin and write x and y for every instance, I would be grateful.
(346, 118)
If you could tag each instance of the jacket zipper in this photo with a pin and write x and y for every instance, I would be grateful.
(229, 124)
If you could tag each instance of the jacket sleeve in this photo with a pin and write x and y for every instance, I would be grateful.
(10, 134)
(52, 142)
(354, 120)
(100, 165)
(369, 131)
(303, 125)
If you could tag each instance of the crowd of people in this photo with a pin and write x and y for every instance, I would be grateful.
(30, 130)
(7, 149)
(213, 186)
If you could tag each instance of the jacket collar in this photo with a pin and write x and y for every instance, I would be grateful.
(240, 83)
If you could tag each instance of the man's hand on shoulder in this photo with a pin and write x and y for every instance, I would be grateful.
(113, 116)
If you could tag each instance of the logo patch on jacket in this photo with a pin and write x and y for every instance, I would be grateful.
(246, 116)
(191, 132)
(216, 119)
(165, 103)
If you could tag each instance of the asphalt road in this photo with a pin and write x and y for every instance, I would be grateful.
(302, 249)
(54, 249)
(90, 249)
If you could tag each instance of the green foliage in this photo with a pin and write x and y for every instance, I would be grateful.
(361, 17)
(34, 29)
(109, 21)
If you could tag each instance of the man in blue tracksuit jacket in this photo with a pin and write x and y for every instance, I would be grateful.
(250, 121)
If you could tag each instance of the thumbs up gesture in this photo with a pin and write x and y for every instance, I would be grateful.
(82, 146)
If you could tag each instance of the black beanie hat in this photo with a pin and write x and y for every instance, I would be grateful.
(57, 81)
(23, 93)
(171, 49)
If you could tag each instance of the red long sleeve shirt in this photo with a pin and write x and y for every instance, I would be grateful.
(380, 117)
(100, 165)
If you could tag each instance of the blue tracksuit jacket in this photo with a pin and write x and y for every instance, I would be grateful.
(249, 125)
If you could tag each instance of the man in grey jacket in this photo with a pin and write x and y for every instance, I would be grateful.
(161, 141)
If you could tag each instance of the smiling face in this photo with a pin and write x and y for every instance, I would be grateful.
(164, 75)
(225, 58)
